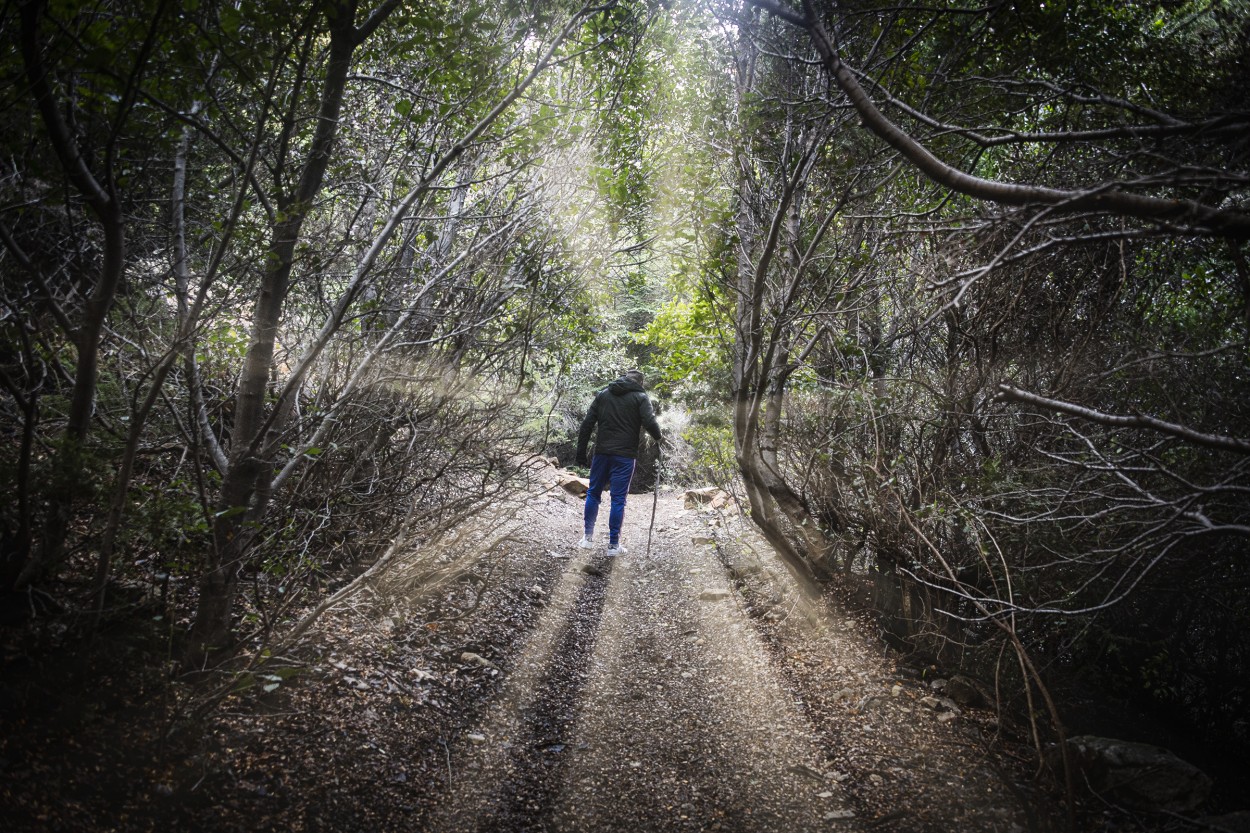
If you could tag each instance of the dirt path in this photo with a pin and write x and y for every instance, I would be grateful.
(690, 690)
(536, 687)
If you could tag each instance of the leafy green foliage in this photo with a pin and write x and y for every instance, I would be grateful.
(614, 216)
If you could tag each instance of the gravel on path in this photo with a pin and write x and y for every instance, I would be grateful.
(691, 689)
(498, 678)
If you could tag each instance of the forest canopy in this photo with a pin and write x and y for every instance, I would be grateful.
(954, 297)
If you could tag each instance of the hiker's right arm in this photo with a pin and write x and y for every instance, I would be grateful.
(649, 422)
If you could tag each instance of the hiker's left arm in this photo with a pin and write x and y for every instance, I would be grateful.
(583, 435)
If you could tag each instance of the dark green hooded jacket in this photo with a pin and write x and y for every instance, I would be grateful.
(620, 410)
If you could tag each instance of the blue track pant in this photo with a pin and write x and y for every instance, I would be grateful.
(613, 472)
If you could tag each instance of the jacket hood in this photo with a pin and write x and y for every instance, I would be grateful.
(624, 385)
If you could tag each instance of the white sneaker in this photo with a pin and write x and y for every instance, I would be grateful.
(619, 549)
(586, 544)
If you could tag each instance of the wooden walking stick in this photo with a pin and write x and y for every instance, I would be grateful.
(655, 493)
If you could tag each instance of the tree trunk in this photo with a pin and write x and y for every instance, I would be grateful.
(103, 203)
(188, 316)
(244, 494)
(237, 511)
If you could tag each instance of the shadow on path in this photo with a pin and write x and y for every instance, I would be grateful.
(538, 760)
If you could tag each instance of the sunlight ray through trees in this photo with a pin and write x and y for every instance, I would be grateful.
(953, 298)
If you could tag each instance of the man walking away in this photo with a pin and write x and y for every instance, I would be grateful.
(620, 410)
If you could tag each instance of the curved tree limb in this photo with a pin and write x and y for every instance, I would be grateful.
(1208, 219)
(1215, 441)
(1227, 122)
